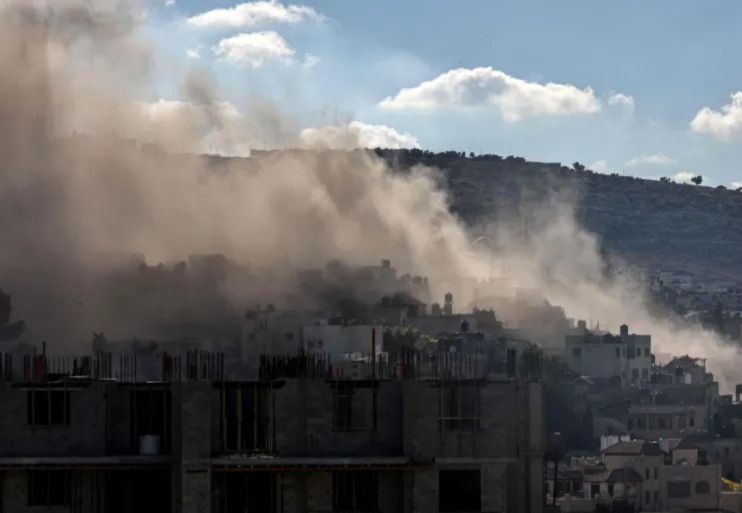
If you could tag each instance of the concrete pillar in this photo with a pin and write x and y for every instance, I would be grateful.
(195, 489)
(319, 491)
(192, 447)
(425, 490)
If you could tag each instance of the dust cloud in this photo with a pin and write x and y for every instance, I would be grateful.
(81, 217)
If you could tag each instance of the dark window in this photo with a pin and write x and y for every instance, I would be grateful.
(646, 496)
(247, 418)
(618, 352)
(646, 351)
(353, 407)
(645, 374)
(48, 488)
(661, 423)
(610, 490)
(646, 475)
(682, 419)
(656, 496)
(576, 351)
(150, 415)
(460, 405)
(635, 374)
(641, 423)
(142, 491)
(343, 408)
(249, 491)
(655, 472)
(691, 421)
(703, 487)
(459, 491)
(638, 351)
(594, 490)
(48, 408)
(354, 491)
(678, 489)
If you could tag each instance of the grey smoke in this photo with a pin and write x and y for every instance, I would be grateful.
(72, 211)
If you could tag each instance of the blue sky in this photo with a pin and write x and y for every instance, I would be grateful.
(630, 80)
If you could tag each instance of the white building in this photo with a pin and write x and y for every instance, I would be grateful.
(339, 340)
(627, 357)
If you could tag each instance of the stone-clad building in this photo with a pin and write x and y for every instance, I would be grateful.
(443, 435)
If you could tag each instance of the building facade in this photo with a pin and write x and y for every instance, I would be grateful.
(625, 357)
(89, 436)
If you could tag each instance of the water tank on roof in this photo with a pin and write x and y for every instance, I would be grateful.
(386, 263)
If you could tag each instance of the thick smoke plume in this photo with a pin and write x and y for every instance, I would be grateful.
(74, 209)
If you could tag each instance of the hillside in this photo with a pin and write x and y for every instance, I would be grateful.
(652, 224)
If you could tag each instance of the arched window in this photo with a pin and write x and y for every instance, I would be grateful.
(703, 487)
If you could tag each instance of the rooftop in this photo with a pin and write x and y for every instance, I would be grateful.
(617, 475)
(633, 447)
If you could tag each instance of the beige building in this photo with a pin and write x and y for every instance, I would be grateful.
(647, 460)
(675, 475)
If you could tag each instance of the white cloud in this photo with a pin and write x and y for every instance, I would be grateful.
(251, 14)
(169, 3)
(357, 135)
(254, 49)
(658, 159)
(685, 177)
(721, 125)
(735, 185)
(621, 100)
(193, 53)
(310, 61)
(515, 98)
(599, 166)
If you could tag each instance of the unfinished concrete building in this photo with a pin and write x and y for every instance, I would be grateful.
(404, 434)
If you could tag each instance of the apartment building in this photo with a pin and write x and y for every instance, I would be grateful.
(158, 432)
(624, 357)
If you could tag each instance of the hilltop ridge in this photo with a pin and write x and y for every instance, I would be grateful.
(650, 223)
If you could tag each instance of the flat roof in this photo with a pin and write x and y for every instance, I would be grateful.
(86, 461)
(311, 463)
